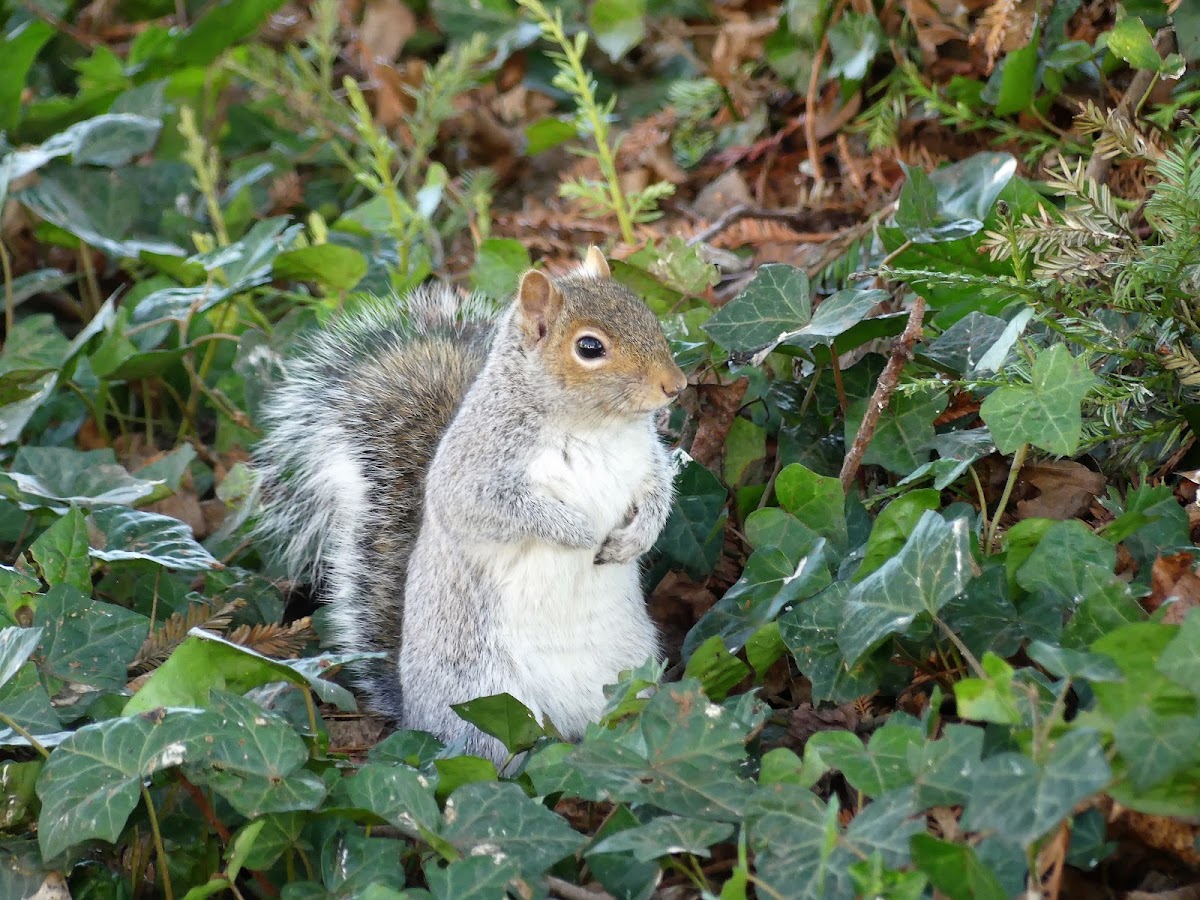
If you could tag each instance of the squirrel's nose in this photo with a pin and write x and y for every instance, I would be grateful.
(673, 385)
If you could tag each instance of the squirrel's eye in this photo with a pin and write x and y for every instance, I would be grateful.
(589, 347)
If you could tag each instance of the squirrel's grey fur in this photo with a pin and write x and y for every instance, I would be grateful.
(471, 506)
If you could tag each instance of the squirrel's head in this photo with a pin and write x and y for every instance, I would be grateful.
(598, 341)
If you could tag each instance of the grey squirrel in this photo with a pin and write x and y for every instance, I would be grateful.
(473, 493)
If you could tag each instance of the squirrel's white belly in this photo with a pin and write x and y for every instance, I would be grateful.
(567, 619)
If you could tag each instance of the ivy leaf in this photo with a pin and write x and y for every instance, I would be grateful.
(111, 139)
(810, 632)
(502, 716)
(16, 646)
(941, 769)
(619, 25)
(904, 434)
(25, 702)
(125, 534)
(1180, 659)
(1046, 412)
(61, 552)
(1013, 795)
(56, 477)
(694, 533)
(1157, 747)
(498, 267)
(400, 796)
(716, 668)
(86, 641)
(933, 567)
(953, 202)
(777, 301)
(471, 878)
(794, 839)
(955, 870)
(893, 526)
(836, 315)
(666, 835)
(816, 500)
(491, 818)
(334, 266)
(962, 346)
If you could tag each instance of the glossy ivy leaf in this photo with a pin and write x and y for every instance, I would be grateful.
(412, 748)
(1062, 556)
(56, 477)
(16, 646)
(893, 526)
(497, 818)
(879, 767)
(472, 878)
(129, 534)
(961, 346)
(983, 617)
(111, 139)
(953, 202)
(904, 434)
(777, 301)
(1013, 795)
(1139, 650)
(816, 500)
(1131, 41)
(118, 211)
(794, 838)
(333, 266)
(666, 835)
(1107, 605)
(769, 584)
(941, 769)
(990, 698)
(619, 873)
(355, 866)
(682, 754)
(400, 796)
(955, 869)
(1157, 747)
(810, 630)
(715, 668)
(619, 25)
(86, 641)
(504, 717)
(772, 527)
(499, 265)
(932, 568)
(1014, 82)
(835, 316)
(1063, 662)
(1180, 659)
(205, 661)
(61, 552)
(1047, 412)
(24, 701)
(694, 533)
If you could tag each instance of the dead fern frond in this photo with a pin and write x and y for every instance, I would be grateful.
(274, 640)
(1182, 361)
(159, 644)
(1002, 18)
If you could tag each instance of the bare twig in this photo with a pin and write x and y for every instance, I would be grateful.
(1143, 80)
(735, 214)
(902, 351)
(810, 105)
(568, 891)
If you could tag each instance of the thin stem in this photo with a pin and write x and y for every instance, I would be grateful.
(962, 648)
(33, 742)
(1017, 463)
(161, 853)
(10, 301)
(92, 294)
(983, 513)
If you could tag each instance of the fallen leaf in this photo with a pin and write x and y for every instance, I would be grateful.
(1065, 489)
(719, 404)
(386, 27)
(1173, 578)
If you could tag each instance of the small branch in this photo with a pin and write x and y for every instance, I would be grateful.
(160, 853)
(735, 214)
(902, 351)
(1143, 80)
(810, 103)
(568, 891)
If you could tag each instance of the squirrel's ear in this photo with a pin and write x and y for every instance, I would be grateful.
(595, 264)
(539, 302)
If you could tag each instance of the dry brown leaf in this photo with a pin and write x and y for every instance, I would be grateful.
(1173, 578)
(1170, 836)
(1065, 489)
(805, 721)
(386, 27)
(719, 405)
(274, 640)
(1004, 26)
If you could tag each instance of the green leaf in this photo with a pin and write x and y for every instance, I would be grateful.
(933, 567)
(835, 316)
(333, 266)
(777, 301)
(695, 530)
(400, 796)
(1012, 795)
(87, 641)
(1046, 412)
(548, 133)
(666, 835)
(854, 42)
(462, 21)
(497, 818)
(619, 25)
(1157, 747)
(991, 698)
(499, 265)
(817, 501)
(118, 211)
(1130, 40)
(745, 445)
(16, 646)
(473, 878)
(503, 716)
(941, 769)
(715, 668)
(793, 836)
(893, 526)
(882, 765)
(954, 201)
(1180, 660)
(112, 139)
(225, 23)
(1018, 79)
(18, 50)
(810, 631)
(962, 346)
(56, 477)
(24, 701)
(126, 534)
(682, 754)
(61, 552)
(904, 434)
(620, 873)
(955, 870)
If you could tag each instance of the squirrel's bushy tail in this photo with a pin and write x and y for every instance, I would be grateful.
(350, 432)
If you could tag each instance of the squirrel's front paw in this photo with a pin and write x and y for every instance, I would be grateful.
(625, 544)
